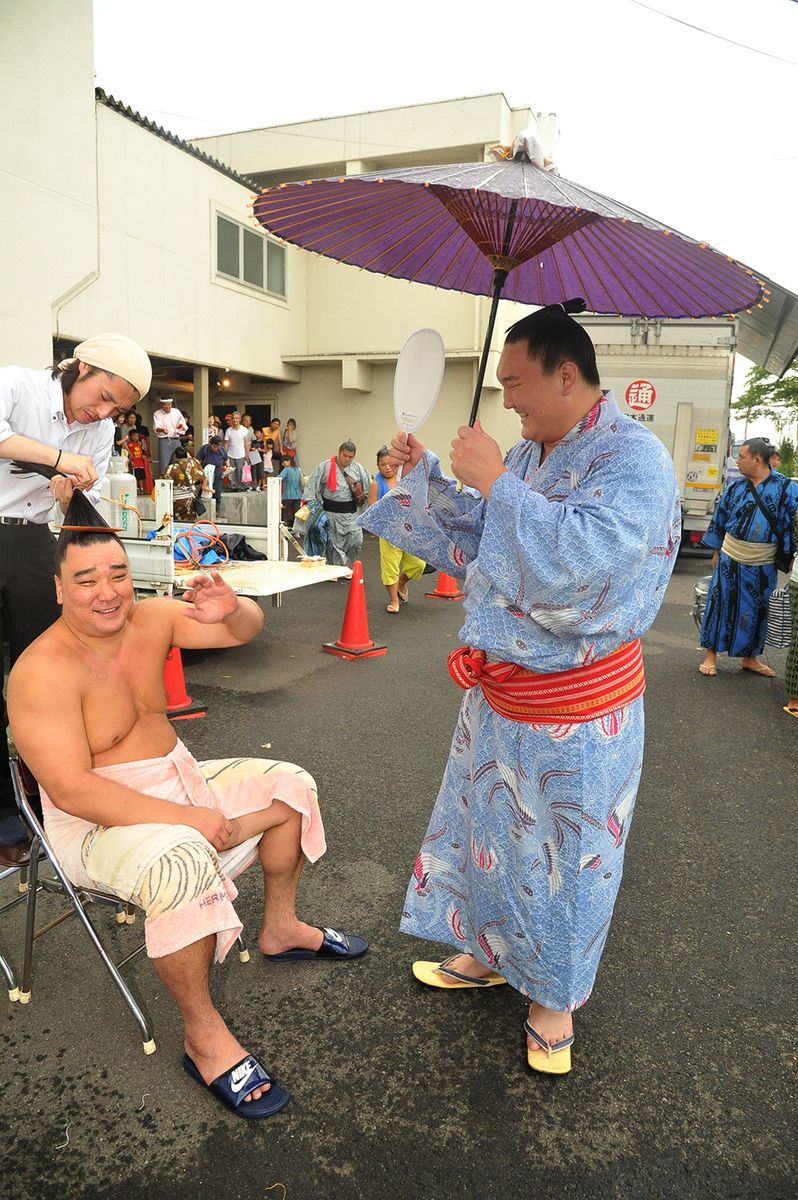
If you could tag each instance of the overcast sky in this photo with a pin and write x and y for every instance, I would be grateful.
(655, 104)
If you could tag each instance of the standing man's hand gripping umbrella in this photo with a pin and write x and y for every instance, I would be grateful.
(476, 458)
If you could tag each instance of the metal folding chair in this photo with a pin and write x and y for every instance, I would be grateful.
(80, 898)
(5, 966)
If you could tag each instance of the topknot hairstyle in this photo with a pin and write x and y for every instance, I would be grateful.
(552, 337)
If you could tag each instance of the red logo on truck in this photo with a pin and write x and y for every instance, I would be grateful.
(640, 395)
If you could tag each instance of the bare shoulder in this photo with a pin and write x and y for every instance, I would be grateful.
(156, 612)
(47, 660)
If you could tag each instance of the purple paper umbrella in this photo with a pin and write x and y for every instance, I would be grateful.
(509, 229)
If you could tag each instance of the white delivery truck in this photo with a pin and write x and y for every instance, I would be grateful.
(676, 377)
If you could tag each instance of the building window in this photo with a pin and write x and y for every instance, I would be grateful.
(249, 257)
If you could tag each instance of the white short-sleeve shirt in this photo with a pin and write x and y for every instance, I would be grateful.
(32, 405)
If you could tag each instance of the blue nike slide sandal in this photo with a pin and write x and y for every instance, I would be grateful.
(334, 945)
(232, 1087)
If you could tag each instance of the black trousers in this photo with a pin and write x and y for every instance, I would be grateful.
(27, 607)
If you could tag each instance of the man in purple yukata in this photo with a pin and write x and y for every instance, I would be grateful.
(566, 546)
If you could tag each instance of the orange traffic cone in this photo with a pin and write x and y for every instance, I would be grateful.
(445, 589)
(354, 641)
(179, 705)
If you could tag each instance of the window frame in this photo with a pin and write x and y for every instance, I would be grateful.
(239, 280)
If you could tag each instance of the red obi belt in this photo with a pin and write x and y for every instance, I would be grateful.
(581, 694)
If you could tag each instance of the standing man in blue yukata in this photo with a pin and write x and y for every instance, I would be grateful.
(753, 525)
(566, 546)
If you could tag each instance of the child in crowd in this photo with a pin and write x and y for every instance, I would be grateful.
(136, 460)
(292, 492)
(268, 454)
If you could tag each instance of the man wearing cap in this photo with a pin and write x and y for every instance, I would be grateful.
(169, 423)
(60, 418)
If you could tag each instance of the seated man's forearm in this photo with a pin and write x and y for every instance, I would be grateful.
(246, 622)
(104, 802)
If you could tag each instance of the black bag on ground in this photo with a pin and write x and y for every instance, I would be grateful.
(240, 549)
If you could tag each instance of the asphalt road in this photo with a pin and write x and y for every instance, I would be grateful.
(683, 1082)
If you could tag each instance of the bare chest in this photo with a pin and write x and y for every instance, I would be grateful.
(121, 692)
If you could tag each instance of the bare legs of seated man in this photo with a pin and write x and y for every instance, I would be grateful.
(208, 1041)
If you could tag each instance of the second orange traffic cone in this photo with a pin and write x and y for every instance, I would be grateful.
(179, 705)
(445, 589)
(354, 641)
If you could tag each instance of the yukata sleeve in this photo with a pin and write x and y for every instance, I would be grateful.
(580, 562)
(713, 538)
(425, 515)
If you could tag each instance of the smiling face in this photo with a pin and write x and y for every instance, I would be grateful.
(95, 588)
(96, 395)
(548, 405)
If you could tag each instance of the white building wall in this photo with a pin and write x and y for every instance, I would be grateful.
(326, 415)
(157, 279)
(354, 311)
(48, 193)
(420, 133)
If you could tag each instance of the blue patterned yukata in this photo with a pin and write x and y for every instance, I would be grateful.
(736, 612)
(565, 562)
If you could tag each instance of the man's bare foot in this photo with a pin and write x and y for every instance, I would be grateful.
(296, 936)
(214, 1050)
(757, 667)
(709, 665)
(465, 964)
(550, 1024)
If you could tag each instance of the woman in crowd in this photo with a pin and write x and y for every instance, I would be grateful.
(397, 567)
(120, 434)
(290, 443)
(273, 432)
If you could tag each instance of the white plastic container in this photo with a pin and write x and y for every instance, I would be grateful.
(120, 486)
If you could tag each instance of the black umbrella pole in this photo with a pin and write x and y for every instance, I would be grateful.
(499, 279)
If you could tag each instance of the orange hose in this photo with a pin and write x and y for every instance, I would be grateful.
(196, 546)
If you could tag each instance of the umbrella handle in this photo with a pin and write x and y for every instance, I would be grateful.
(499, 279)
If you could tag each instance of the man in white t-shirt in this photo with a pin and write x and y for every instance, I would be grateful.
(61, 419)
(237, 446)
(168, 423)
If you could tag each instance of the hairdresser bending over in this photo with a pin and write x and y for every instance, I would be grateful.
(64, 419)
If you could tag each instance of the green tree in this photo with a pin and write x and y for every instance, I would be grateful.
(787, 452)
(768, 398)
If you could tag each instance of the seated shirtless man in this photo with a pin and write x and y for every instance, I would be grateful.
(129, 810)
